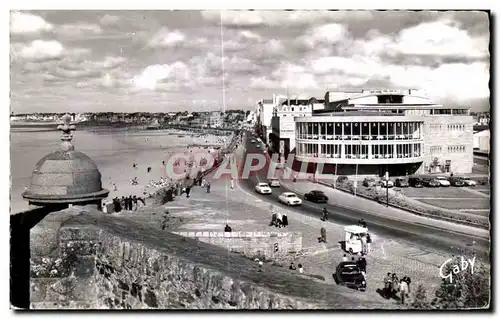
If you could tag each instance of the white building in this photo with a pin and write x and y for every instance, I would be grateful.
(482, 141)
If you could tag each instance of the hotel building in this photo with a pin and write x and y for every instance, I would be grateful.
(369, 132)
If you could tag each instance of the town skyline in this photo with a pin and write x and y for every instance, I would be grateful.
(169, 61)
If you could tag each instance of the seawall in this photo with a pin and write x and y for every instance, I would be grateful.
(84, 259)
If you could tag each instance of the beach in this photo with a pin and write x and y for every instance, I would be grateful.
(113, 150)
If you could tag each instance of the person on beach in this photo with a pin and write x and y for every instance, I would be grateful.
(301, 269)
(292, 266)
(368, 243)
(149, 169)
(122, 202)
(134, 199)
(228, 229)
(208, 187)
(404, 291)
(387, 285)
(394, 285)
(188, 190)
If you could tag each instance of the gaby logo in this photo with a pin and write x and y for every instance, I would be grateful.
(463, 265)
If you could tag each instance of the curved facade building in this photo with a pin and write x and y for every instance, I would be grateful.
(372, 142)
(371, 132)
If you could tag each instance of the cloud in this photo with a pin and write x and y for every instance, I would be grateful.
(166, 38)
(109, 19)
(243, 18)
(41, 50)
(440, 38)
(78, 29)
(326, 34)
(21, 22)
(153, 75)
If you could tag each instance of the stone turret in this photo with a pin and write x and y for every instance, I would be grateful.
(65, 176)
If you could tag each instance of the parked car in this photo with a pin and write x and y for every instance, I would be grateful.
(253, 141)
(263, 188)
(401, 182)
(368, 182)
(274, 182)
(431, 182)
(349, 274)
(416, 182)
(316, 196)
(386, 184)
(290, 199)
(455, 181)
(443, 181)
(342, 179)
(467, 181)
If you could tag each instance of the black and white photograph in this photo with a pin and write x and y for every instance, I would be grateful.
(253, 159)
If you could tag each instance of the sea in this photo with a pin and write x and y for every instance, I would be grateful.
(114, 150)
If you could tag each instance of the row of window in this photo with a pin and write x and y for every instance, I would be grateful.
(451, 149)
(395, 129)
(354, 151)
(456, 127)
(457, 149)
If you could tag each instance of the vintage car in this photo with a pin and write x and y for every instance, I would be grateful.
(316, 196)
(290, 199)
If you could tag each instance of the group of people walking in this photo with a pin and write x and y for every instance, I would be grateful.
(395, 287)
(279, 220)
(127, 203)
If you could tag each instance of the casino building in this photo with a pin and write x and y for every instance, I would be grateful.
(369, 132)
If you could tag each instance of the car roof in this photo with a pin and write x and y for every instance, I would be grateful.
(355, 229)
(316, 191)
(263, 184)
(348, 264)
(288, 193)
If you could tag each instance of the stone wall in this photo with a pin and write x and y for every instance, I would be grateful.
(252, 244)
(83, 259)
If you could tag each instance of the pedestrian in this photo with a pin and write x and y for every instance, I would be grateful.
(363, 245)
(134, 199)
(279, 221)
(345, 258)
(368, 242)
(325, 214)
(232, 183)
(285, 220)
(208, 187)
(118, 206)
(387, 285)
(188, 190)
(228, 229)
(274, 218)
(130, 202)
(323, 235)
(394, 285)
(362, 264)
(149, 169)
(403, 289)
(292, 266)
(301, 269)
(122, 202)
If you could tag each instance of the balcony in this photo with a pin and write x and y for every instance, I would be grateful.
(400, 137)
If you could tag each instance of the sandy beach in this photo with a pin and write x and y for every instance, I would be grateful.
(113, 151)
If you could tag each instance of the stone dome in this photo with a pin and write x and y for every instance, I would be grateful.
(65, 176)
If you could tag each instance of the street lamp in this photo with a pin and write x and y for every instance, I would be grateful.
(387, 186)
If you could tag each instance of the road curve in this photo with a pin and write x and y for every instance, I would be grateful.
(433, 237)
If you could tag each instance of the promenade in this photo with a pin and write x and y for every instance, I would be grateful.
(249, 212)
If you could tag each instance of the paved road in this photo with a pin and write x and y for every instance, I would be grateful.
(433, 237)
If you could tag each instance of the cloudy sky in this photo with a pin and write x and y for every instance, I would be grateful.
(130, 61)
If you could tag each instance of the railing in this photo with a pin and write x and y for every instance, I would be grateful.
(361, 156)
(400, 137)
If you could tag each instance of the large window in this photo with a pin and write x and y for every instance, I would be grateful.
(331, 151)
(384, 99)
(307, 149)
(356, 151)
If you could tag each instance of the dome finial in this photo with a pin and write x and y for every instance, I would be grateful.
(66, 136)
